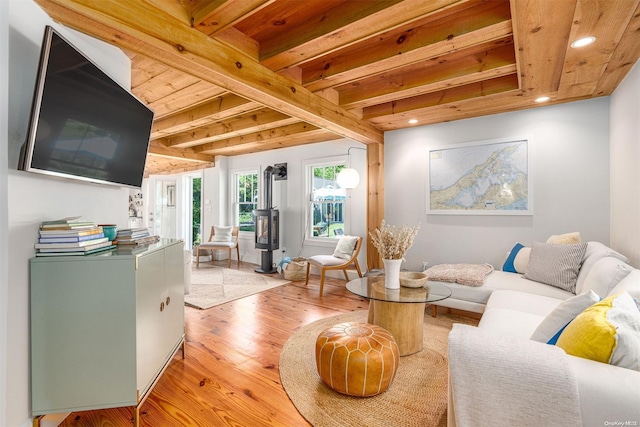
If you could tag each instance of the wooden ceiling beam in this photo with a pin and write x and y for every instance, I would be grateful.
(216, 16)
(410, 44)
(541, 30)
(157, 165)
(138, 27)
(194, 94)
(188, 155)
(464, 67)
(215, 109)
(402, 110)
(240, 125)
(284, 137)
(312, 40)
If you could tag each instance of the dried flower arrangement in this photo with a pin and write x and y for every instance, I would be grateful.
(392, 244)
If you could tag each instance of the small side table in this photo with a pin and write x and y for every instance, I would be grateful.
(400, 311)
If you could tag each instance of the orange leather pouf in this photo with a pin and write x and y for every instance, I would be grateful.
(357, 359)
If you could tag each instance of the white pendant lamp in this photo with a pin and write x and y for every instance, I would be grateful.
(348, 178)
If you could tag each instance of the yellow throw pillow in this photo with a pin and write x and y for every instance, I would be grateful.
(608, 332)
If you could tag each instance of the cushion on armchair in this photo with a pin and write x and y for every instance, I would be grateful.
(344, 248)
(221, 233)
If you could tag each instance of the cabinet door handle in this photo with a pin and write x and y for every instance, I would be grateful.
(168, 300)
(162, 306)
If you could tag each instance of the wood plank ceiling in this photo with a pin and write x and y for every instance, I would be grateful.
(230, 77)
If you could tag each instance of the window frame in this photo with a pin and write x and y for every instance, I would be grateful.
(309, 166)
(235, 203)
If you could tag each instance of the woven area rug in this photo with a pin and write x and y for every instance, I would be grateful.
(417, 396)
(212, 285)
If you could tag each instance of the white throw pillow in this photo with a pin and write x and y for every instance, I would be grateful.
(221, 234)
(345, 247)
(605, 275)
(552, 326)
(595, 252)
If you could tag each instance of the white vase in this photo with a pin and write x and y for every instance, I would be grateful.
(392, 273)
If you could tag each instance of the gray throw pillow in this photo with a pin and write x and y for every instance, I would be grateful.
(556, 265)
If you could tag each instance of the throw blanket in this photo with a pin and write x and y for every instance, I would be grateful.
(465, 274)
(500, 380)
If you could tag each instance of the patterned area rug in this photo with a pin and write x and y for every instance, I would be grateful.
(211, 285)
(416, 398)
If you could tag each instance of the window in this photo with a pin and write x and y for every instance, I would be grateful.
(327, 202)
(246, 200)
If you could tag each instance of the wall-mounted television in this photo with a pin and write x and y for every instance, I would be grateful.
(83, 124)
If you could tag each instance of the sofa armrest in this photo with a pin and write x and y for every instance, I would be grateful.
(512, 380)
(505, 380)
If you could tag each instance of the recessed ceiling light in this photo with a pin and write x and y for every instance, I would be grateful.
(583, 41)
(413, 121)
(542, 99)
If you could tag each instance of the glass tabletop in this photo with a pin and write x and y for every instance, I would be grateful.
(373, 288)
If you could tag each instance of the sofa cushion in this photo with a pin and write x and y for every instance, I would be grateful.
(556, 265)
(595, 251)
(502, 280)
(549, 330)
(564, 239)
(510, 322)
(605, 274)
(607, 332)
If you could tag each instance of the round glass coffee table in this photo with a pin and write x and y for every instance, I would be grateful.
(400, 311)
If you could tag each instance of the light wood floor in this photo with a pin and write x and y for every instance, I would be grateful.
(230, 375)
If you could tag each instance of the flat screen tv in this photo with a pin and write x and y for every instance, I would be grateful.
(83, 124)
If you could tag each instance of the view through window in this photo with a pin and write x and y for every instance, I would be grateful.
(327, 206)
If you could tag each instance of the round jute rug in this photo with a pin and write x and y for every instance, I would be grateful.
(417, 396)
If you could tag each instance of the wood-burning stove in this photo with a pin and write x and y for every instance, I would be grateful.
(268, 223)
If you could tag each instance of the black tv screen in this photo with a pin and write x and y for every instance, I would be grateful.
(84, 125)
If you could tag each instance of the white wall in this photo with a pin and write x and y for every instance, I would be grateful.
(288, 197)
(31, 197)
(570, 175)
(625, 166)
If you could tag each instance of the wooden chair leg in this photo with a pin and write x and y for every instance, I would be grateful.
(358, 268)
(321, 280)
(238, 254)
(308, 268)
(346, 276)
(434, 310)
(197, 256)
(229, 259)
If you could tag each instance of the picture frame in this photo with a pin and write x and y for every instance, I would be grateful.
(491, 177)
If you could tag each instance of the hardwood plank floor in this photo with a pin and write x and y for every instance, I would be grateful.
(230, 375)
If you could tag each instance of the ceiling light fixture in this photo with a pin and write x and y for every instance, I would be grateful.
(349, 177)
(413, 121)
(583, 41)
(542, 99)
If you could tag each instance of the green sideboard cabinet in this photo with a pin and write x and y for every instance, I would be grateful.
(104, 326)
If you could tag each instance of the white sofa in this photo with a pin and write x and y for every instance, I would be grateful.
(499, 376)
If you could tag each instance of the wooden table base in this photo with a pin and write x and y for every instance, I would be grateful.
(405, 321)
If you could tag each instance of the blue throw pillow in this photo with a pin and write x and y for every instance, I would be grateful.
(508, 264)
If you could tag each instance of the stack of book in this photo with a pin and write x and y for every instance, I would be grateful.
(70, 236)
(135, 237)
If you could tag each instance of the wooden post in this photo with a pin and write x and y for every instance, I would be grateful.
(375, 199)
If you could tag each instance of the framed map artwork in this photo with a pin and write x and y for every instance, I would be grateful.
(481, 178)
